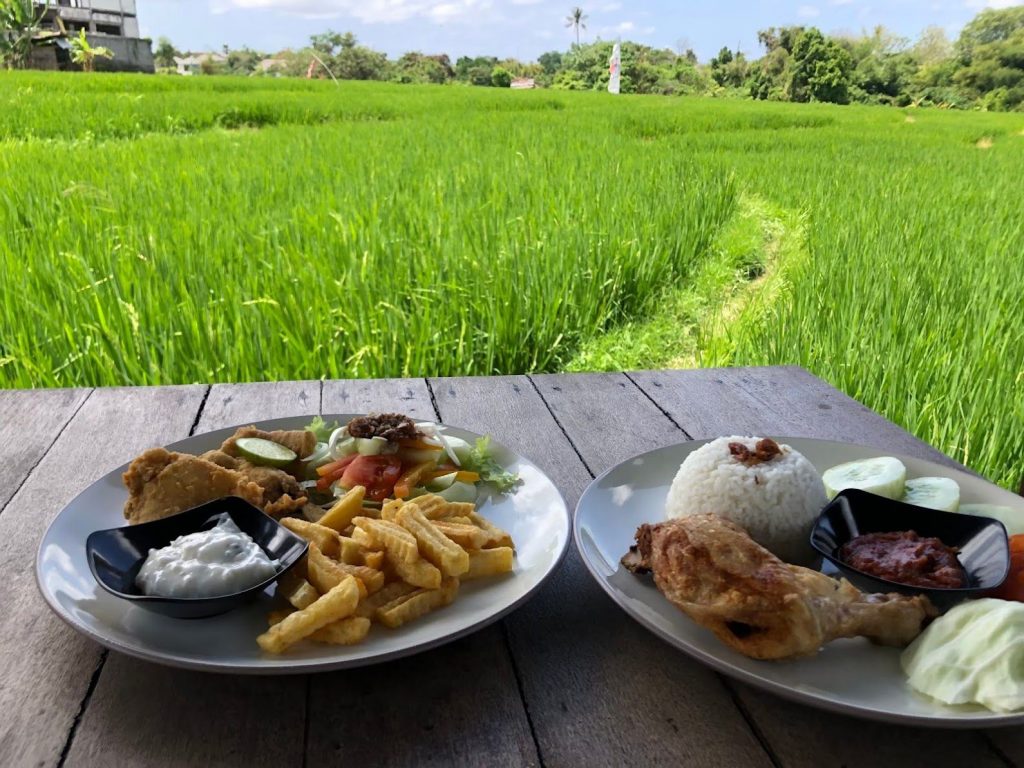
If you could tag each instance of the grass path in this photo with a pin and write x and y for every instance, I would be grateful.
(688, 324)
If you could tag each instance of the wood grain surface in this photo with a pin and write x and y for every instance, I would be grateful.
(568, 679)
(48, 668)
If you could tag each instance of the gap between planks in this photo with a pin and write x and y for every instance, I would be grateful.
(744, 713)
(43, 455)
(504, 630)
(95, 679)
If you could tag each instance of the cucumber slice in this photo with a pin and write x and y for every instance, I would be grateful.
(441, 483)
(1012, 519)
(459, 492)
(932, 492)
(371, 446)
(266, 453)
(885, 476)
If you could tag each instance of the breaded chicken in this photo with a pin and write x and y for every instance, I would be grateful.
(161, 483)
(710, 569)
(277, 485)
(302, 441)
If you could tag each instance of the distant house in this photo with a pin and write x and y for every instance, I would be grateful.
(523, 83)
(113, 24)
(193, 63)
(268, 66)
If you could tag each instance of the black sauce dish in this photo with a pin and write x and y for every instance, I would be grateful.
(116, 555)
(982, 543)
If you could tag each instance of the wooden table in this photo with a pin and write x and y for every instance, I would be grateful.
(568, 679)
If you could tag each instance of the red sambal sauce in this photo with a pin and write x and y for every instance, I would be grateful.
(906, 558)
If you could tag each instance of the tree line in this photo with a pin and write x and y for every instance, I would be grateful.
(983, 68)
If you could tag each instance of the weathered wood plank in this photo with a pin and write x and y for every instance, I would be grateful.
(599, 688)
(30, 422)
(48, 666)
(790, 401)
(456, 705)
(409, 396)
(230, 404)
(135, 703)
(702, 401)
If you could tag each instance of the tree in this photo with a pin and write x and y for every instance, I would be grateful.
(820, 69)
(85, 54)
(244, 61)
(933, 47)
(19, 26)
(991, 57)
(577, 20)
(550, 61)
(501, 78)
(347, 59)
(165, 53)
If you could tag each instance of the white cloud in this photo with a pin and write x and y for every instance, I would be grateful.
(808, 11)
(368, 11)
(982, 4)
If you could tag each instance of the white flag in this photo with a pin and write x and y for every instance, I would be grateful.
(614, 65)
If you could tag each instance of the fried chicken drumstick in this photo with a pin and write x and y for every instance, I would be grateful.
(711, 570)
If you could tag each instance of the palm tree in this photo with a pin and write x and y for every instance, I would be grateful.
(85, 54)
(19, 25)
(577, 20)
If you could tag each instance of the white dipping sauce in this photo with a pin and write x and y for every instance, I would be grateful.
(213, 563)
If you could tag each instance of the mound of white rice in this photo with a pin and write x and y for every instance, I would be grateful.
(776, 501)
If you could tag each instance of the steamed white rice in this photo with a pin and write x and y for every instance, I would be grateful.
(775, 501)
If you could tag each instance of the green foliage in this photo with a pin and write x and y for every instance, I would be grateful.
(85, 54)
(19, 26)
(501, 77)
(819, 69)
(165, 53)
(991, 54)
(396, 240)
(416, 67)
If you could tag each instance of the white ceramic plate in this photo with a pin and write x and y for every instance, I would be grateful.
(535, 514)
(850, 676)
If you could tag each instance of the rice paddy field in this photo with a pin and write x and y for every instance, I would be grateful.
(157, 230)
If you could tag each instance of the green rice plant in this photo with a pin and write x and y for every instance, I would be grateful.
(157, 230)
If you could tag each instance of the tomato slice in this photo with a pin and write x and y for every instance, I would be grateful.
(330, 473)
(1013, 587)
(378, 474)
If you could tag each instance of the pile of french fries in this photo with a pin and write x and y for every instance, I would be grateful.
(390, 565)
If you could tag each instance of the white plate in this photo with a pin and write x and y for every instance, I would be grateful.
(535, 514)
(850, 676)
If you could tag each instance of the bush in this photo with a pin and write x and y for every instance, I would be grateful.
(501, 77)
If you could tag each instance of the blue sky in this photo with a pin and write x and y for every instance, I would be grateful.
(527, 28)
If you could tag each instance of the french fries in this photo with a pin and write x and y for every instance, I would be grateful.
(417, 571)
(326, 538)
(408, 607)
(296, 590)
(489, 562)
(448, 556)
(391, 536)
(467, 536)
(337, 604)
(368, 607)
(348, 631)
(325, 574)
(340, 515)
(389, 566)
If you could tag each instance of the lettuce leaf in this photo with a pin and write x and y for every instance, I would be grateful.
(321, 429)
(481, 461)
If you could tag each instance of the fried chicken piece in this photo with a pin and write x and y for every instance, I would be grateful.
(161, 483)
(220, 458)
(285, 506)
(710, 569)
(302, 441)
(276, 483)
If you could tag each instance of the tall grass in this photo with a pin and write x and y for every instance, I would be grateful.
(158, 230)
